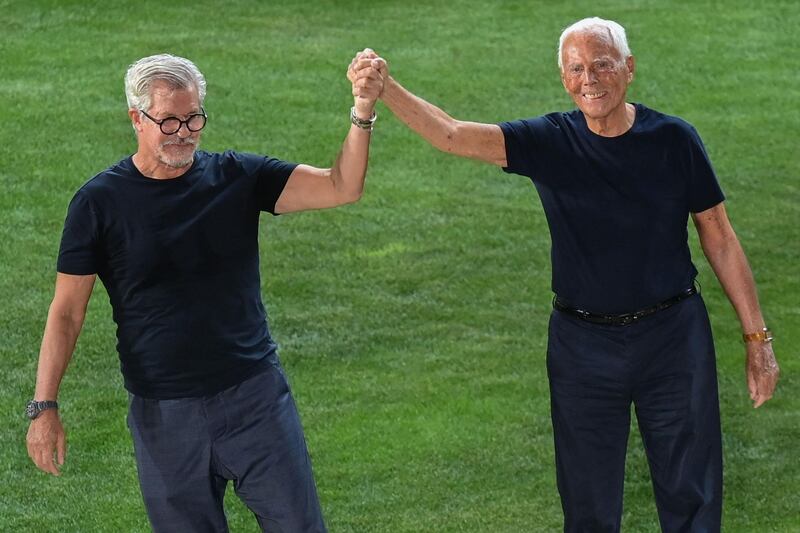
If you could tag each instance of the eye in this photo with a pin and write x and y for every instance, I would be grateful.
(575, 69)
(170, 122)
(604, 65)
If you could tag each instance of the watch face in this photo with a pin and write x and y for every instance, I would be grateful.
(35, 408)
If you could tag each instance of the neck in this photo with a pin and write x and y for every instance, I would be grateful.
(151, 167)
(614, 124)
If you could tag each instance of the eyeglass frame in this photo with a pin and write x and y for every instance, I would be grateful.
(160, 123)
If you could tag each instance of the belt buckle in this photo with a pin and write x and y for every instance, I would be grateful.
(626, 320)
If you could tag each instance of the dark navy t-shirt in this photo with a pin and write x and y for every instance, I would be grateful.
(617, 207)
(179, 259)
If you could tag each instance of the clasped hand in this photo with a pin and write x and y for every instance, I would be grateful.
(367, 73)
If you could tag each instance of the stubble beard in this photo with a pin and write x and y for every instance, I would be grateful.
(174, 162)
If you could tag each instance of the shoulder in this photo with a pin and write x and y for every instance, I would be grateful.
(107, 181)
(550, 124)
(556, 119)
(231, 161)
(661, 123)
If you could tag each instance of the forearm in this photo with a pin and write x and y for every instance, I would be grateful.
(58, 343)
(430, 122)
(730, 265)
(725, 254)
(484, 142)
(350, 168)
(46, 440)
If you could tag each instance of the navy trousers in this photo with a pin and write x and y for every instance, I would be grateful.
(665, 366)
(188, 449)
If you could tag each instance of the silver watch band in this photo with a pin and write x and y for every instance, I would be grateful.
(35, 408)
(360, 122)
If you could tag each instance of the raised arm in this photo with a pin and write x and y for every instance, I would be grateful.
(727, 259)
(484, 142)
(319, 188)
(46, 439)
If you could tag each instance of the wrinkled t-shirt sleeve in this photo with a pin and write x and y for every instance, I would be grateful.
(520, 139)
(704, 189)
(271, 177)
(78, 253)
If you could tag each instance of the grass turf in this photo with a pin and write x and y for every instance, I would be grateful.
(412, 324)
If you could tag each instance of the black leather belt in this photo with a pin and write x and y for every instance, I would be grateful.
(624, 319)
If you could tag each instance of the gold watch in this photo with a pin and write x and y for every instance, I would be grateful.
(764, 335)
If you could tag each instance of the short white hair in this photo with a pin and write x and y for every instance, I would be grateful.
(597, 26)
(177, 72)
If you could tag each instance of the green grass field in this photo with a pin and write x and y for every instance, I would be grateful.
(412, 324)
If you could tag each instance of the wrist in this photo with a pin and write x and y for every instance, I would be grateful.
(389, 89)
(363, 109)
(364, 121)
(762, 335)
(36, 408)
(47, 414)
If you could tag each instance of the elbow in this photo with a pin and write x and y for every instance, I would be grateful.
(350, 194)
(446, 142)
(67, 316)
(348, 188)
(353, 196)
(65, 324)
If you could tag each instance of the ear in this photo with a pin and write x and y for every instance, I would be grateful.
(631, 64)
(136, 119)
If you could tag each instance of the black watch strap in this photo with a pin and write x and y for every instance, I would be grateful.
(35, 408)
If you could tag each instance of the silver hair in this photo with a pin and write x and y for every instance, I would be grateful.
(176, 71)
(595, 25)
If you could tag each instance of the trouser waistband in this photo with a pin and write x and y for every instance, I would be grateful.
(623, 319)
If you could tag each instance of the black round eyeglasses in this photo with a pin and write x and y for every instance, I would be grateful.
(171, 125)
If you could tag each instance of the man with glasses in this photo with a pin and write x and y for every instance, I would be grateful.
(618, 182)
(173, 234)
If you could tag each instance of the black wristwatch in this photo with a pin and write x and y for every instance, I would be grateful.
(35, 408)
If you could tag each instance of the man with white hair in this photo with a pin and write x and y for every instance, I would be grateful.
(618, 182)
(173, 234)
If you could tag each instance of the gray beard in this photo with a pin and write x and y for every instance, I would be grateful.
(179, 163)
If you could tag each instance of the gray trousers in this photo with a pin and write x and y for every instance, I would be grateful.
(188, 449)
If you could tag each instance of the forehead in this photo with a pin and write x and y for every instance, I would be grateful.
(588, 46)
(175, 100)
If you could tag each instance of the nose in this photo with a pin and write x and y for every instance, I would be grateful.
(588, 76)
(183, 132)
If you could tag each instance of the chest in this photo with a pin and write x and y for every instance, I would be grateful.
(179, 230)
(637, 175)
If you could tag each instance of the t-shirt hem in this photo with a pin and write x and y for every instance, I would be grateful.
(284, 180)
(505, 128)
(152, 392)
(708, 205)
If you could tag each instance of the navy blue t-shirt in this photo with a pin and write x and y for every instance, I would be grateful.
(617, 207)
(179, 259)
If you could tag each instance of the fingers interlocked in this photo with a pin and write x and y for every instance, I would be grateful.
(367, 73)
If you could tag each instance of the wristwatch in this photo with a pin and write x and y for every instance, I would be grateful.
(34, 408)
(364, 124)
(765, 335)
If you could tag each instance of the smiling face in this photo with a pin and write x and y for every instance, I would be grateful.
(596, 76)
